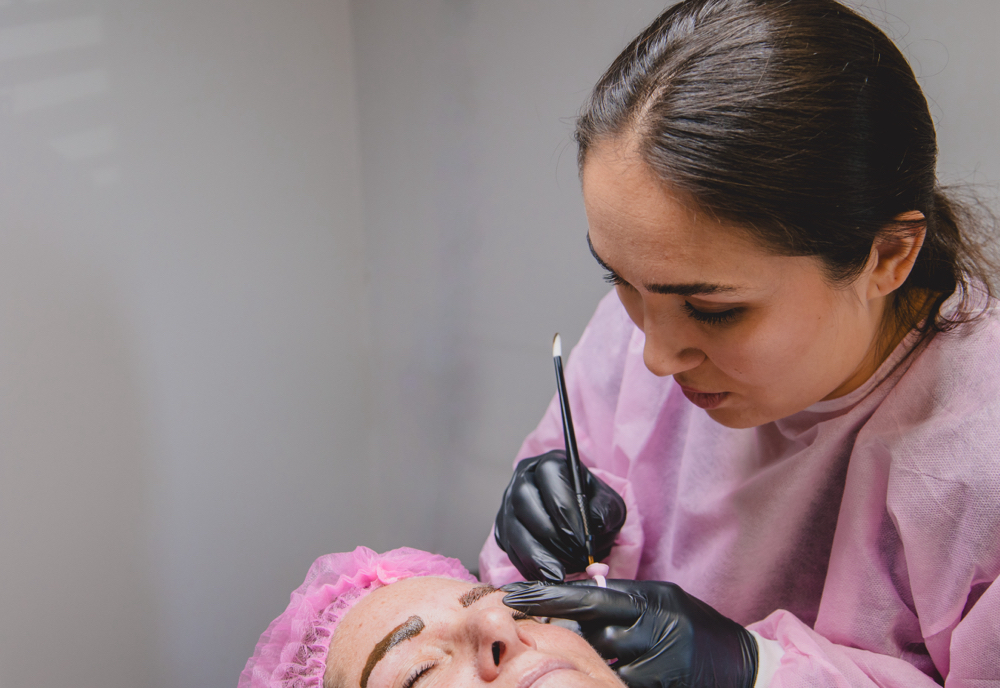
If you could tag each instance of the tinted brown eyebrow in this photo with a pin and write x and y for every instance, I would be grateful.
(404, 631)
(689, 289)
(477, 593)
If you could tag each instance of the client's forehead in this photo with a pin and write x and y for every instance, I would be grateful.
(378, 613)
(381, 609)
(413, 591)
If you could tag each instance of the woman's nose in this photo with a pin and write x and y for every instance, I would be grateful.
(667, 351)
(497, 639)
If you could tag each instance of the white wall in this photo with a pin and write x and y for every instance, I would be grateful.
(954, 53)
(476, 239)
(182, 330)
(220, 359)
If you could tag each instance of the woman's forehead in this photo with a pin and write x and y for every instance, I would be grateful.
(384, 609)
(639, 225)
(417, 587)
(403, 596)
(626, 200)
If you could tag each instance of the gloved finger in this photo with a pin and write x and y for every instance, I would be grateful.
(606, 511)
(651, 671)
(555, 484)
(511, 535)
(500, 523)
(612, 632)
(602, 553)
(625, 643)
(586, 603)
(529, 556)
(606, 508)
(527, 504)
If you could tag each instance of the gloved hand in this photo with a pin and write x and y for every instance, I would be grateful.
(661, 636)
(539, 525)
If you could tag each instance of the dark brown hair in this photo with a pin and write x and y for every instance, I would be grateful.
(802, 122)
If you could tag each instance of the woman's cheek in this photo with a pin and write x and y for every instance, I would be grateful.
(782, 349)
(747, 353)
(563, 642)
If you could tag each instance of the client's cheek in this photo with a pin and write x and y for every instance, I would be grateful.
(566, 644)
(581, 679)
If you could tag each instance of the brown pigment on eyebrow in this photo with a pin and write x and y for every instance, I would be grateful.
(404, 631)
(476, 594)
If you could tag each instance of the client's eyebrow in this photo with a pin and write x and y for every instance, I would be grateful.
(688, 289)
(477, 593)
(404, 631)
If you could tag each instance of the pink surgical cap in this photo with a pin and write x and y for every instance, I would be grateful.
(292, 652)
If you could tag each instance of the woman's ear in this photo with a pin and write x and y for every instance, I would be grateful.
(894, 254)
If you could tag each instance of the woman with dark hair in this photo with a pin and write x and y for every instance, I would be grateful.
(790, 409)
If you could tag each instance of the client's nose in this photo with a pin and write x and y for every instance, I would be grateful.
(497, 639)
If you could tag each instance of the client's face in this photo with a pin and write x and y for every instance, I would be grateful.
(438, 633)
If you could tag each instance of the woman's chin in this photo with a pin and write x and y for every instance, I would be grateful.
(737, 416)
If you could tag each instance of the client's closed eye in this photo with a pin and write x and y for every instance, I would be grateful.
(417, 674)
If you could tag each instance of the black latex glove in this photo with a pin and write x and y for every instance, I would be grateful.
(539, 525)
(661, 636)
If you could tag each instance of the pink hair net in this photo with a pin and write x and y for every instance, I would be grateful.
(292, 652)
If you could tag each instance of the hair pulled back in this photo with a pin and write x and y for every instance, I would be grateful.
(801, 122)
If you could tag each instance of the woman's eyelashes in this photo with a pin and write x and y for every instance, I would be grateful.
(417, 674)
(521, 616)
(725, 317)
(613, 278)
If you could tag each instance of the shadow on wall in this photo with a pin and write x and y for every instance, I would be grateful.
(75, 599)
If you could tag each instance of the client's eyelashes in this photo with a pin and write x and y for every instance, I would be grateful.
(521, 616)
(417, 674)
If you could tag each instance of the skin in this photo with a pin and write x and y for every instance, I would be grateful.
(782, 339)
(459, 643)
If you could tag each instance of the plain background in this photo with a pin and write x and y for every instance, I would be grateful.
(280, 277)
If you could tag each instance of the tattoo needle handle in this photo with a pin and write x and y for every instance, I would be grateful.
(572, 455)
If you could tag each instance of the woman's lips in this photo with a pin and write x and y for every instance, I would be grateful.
(705, 400)
(541, 670)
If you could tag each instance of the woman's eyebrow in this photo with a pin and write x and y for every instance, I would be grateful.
(404, 631)
(691, 289)
(412, 627)
(477, 593)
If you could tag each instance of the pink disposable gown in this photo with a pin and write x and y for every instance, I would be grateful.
(862, 533)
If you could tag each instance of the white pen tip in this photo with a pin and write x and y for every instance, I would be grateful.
(557, 346)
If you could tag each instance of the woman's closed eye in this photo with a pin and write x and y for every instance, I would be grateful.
(725, 317)
(422, 670)
(417, 674)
